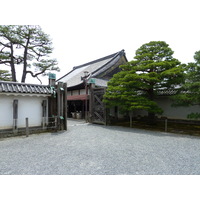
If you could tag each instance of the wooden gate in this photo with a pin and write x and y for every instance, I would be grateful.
(97, 107)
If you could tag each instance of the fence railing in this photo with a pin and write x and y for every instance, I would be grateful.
(180, 126)
(190, 127)
(12, 128)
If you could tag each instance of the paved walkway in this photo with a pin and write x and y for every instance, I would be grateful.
(96, 149)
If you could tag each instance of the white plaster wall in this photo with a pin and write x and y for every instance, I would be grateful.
(175, 112)
(68, 93)
(82, 91)
(31, 108)
(6, 112)
(28, 106)
(169, 111)
(75, 92)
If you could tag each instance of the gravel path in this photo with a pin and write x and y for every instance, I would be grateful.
(95, 149)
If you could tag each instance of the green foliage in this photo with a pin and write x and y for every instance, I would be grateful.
(29, 46)
(195, 116)
(5, 75)
(189, 93)
(136, 86)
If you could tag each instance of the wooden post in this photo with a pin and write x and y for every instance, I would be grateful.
(105, 111)
(61, 107)
(27, 128)
(58, 106)
(65, 105)
(131, 118)
(44, 113)
(15, 115)
(15, 130)
(52, 104)
(56, 122)
(86, 101)
(43, 122)
(91, 104)
(166, 125)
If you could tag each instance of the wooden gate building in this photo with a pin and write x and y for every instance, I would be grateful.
(86, 86)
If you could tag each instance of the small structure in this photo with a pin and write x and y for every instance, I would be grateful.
(86, 85)
(21, 101)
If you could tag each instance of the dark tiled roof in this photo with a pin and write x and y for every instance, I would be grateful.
(167, 92)
(94, 68)
(13, 87)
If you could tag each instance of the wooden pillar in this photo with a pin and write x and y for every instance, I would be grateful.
(131, 118)
(15, 115)
(27, 128)
(60, 105)
(105, 110)
(86, 101)
(65, 105)
(44, 113)
(52, 103)
(166, 125)
(91, 104)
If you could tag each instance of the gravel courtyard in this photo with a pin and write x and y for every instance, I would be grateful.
(87, 149)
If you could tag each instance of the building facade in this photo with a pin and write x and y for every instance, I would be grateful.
(86, 84)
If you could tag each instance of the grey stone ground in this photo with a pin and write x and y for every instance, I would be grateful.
(96, 149)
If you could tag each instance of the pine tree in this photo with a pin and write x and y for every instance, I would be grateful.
(29, 46)
(189, 93)
(136, 87)
(5, 75)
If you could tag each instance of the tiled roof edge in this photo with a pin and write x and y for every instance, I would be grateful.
(17, 83)
(121, 53)
(98, 60)
(15, 87)
(92, 62)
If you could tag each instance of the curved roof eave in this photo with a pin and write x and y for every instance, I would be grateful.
(95, 61)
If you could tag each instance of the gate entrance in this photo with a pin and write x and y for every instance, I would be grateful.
(98, 110)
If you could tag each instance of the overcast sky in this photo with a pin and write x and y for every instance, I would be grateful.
(85, 30)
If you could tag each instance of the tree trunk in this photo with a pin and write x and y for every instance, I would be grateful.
(12, 64)
(25, 60)
(131, 118)
(25, 65)
(24, 74)
(151, 115)
(151, 118)
(13, 72)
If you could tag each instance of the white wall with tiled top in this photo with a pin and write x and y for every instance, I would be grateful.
(28, 107)
(179, 112)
